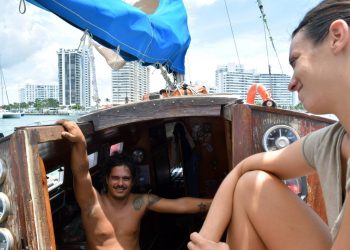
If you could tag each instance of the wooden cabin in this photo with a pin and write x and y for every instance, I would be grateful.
(183, 146)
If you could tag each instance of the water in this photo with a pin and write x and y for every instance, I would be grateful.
(7, 125)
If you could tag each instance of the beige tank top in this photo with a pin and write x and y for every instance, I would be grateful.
(322, 150)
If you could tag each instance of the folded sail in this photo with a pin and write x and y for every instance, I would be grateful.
(161, 37)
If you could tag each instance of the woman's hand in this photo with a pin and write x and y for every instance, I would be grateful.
(198, 242)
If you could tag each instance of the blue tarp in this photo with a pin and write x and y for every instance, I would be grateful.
(161, 37)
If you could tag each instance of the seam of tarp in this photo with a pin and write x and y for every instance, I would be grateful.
(109, 34)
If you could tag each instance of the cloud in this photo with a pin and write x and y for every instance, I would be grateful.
(204, 57)
(19, 38)
(198, 3)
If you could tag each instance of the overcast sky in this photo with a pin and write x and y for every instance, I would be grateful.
(28, 43)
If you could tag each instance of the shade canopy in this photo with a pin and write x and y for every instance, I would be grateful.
(161, 37)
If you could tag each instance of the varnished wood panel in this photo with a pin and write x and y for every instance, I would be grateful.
(249, 124)
(176, 107)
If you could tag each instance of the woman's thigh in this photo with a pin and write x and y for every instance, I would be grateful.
(266, 214)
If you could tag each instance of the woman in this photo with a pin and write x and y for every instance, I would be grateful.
(259, 210)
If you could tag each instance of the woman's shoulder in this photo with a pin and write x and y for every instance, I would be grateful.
(328, 132)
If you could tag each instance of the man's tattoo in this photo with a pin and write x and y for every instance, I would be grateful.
(203, 207)
(153, 199)
(138, 202)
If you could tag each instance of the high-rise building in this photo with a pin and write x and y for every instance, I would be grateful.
(234, 79)
(130, 83)
(74, 77)
(277, 84)
(31, 92)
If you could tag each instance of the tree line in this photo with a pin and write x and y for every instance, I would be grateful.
(38, 105)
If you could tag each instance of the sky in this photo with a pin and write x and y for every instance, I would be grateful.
(29, 42)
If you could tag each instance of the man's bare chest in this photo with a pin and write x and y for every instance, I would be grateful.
(125, 221)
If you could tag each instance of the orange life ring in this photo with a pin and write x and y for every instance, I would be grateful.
(263, 92)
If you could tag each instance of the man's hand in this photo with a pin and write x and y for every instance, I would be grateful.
(198, 242)
(73, 133)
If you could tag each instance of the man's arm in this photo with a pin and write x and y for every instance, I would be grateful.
(286, 163)
(178, 206)
(99, 231)
(85, 194)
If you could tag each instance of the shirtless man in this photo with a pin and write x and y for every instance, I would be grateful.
(112, 219)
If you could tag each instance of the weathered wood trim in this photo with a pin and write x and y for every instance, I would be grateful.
(33, 200)
(47, 203)
(39, 193)
(296, 114)
(53, 132)
(15, 221)
(191, 106)
(242, 140)
(228, 140)
(20, 176)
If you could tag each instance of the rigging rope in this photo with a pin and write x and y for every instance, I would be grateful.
(22, 8)
(233, 36)
(263, 16)
(268, 60)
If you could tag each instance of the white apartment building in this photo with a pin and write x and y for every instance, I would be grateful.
(234, 79)
(130, 83)
(277, 84)
(31, 92)
(74, 77)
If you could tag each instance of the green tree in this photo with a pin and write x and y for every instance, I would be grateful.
(52, 103)
(24, 105)
(31, 104)
(76, 106)
(300, 106)
(38, 105)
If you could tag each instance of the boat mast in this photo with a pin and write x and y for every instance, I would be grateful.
(3, 87)
(266, 28)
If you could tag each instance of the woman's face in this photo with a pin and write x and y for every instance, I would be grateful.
(312, 76)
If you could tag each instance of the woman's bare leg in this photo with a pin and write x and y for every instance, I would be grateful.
(267, 215)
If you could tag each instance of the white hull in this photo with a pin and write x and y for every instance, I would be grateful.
(6, 115)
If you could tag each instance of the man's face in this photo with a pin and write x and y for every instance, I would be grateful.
(119, 182)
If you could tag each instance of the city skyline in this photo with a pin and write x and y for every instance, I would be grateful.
(26, 59)
(236, 79)
(131, 83)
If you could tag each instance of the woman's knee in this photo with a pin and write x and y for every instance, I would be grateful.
(253, 181)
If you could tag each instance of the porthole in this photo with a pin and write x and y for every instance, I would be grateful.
(6, 239)
(4, 207)
(3, 170)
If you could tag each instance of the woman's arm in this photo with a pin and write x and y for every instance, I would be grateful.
(286, 163)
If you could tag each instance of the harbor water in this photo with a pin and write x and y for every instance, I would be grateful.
(8, 125)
